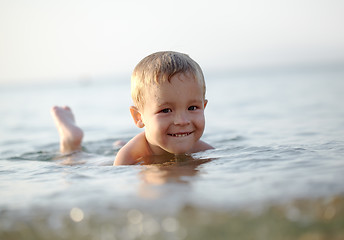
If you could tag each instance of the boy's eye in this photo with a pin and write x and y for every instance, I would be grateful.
(166, 110)
(192, 108)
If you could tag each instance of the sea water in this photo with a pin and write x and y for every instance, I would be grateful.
(277, 170)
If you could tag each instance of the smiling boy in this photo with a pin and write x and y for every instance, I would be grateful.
(168, 92)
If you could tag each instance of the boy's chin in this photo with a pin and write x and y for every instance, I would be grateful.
(179, 151)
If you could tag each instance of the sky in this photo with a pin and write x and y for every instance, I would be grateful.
(50, 40)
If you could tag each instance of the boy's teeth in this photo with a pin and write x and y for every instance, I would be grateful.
(180, 134)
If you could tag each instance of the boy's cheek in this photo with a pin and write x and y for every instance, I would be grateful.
(200, 116)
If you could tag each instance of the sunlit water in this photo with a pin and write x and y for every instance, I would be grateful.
(277, 171)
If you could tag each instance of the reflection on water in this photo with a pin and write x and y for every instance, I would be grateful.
(153, 170)
(159, 170)
(168, 169)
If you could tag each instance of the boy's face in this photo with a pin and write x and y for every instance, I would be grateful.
(173, 115)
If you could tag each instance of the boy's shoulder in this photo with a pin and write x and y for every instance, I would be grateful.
(136, 148)
(202, 146)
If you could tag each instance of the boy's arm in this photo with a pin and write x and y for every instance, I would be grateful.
(136, 148)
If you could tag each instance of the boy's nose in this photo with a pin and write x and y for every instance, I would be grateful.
(181, 119)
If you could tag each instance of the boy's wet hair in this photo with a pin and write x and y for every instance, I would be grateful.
(160, 67)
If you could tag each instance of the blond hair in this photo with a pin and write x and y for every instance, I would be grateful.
(159, 68)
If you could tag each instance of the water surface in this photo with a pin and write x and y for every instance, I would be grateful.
(276, 171)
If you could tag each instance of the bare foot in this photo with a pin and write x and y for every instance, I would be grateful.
(70, 134)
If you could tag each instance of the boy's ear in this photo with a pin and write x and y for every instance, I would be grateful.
(205, 102)
(136, 116)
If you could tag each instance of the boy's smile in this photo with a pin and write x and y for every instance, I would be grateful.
(173, 115)
(179, 134)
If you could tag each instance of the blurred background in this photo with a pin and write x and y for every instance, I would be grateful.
(81, 40)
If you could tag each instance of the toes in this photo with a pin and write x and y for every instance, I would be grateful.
(66, 108)
(54, 109)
